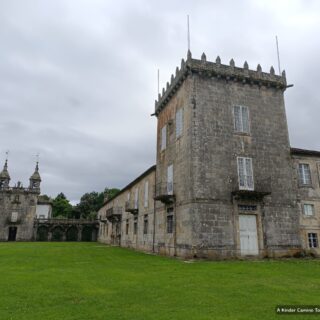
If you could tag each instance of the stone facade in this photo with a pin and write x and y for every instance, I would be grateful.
(308, 197)
(224, 184)
(18, 207)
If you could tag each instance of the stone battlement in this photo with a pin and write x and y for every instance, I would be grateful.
(220, 71)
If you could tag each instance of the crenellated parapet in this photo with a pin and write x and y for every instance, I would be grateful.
(221, 71)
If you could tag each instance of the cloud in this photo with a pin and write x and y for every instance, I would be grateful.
(78, 78)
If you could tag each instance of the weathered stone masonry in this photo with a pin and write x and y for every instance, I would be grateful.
(212, 212)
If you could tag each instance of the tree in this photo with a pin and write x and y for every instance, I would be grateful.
(90, 203)
(61, 206)
(110, 193)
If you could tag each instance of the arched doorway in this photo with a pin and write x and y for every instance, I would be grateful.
(72, 234)
(57, 234)
(86, 234)
(42, 233)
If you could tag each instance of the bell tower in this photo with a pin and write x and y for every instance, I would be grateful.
(4, 176)
(35, 179)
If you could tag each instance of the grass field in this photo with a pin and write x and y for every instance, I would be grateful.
(92, 281)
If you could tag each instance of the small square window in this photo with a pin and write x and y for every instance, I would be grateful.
(308, 209)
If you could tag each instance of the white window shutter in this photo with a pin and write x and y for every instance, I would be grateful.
(249, 174)
(241, 173)
(170, 179)
(179, 122)
(163, 138)
(146, 193)
(245, 174)
(136, 199)
(237, 118)
(245, 119)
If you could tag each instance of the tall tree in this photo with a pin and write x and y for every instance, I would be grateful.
(61, 206)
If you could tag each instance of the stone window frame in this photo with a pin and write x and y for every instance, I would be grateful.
(313, 240)
(238, 122)
(304, 181)
(310, 205)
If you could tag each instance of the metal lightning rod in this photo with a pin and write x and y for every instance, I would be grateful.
(188, 32)
(278, 55)
(158, 81)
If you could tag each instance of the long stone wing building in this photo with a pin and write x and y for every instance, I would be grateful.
(226, 182)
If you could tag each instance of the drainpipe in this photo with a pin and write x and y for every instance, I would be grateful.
(154, 222)
(175, 228)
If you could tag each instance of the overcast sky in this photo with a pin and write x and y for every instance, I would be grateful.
(78, 79)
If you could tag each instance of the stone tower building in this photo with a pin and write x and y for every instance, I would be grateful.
(18, 207)
(223, 143)
(226, 182)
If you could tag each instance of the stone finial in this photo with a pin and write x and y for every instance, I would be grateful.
(159, 96)
(167, 85)
(182, 63)
(232, 64)
(162, 91)
(259, 69)
(177, 70)
(283, 74)
(245, 65)
(189, 55)
(172, 78)
(272, 70)
(218, 60)
(203, 57)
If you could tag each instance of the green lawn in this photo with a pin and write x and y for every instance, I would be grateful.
(93, 281)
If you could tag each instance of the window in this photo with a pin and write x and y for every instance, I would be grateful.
(127, 226)
(308, 209)
(136, 198)
(170, 224)
(146, 194)
(14, 216)
(170, 179)
(179, 123)
(313, 240)
(128, 196)
(170, 220)
(145, 224)
(304, 174)
(245, 174)
(41, 216)
(241, 119)
(135, 225)
(163, 138)
(247, 207)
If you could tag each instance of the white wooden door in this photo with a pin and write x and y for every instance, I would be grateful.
(248, 234)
